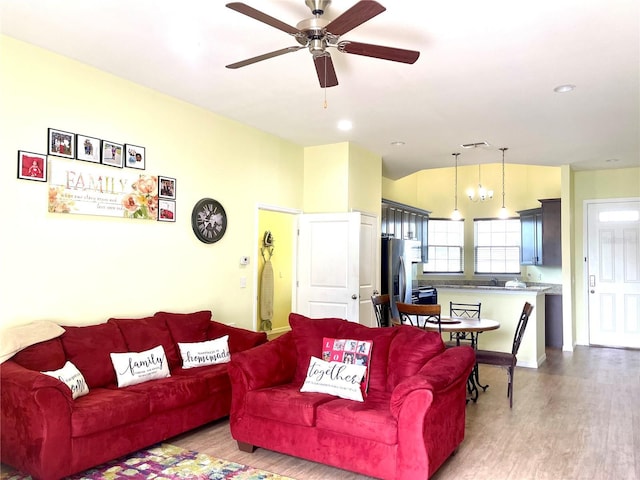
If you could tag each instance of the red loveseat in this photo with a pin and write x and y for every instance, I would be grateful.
(49, 435)
(411, 421)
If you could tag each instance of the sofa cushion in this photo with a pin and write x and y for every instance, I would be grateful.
(370, 419)
(133, 368)
(216, 376)
(88, 348)
(105, 409)
(200, 354)
(187, 327)
(47, 355)
(240, 339)
(173, 392)
(142, 334)
(72, 378)
(410, 349)
(307, 337)
(285, 403)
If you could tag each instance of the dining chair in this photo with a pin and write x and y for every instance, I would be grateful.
(381, 308)
(463, 310)
(504, 359)
(419, 315)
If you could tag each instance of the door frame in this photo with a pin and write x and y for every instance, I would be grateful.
(294, 255)
(585, 250)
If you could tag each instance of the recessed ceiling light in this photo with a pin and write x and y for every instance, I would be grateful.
(612, 160)
(397, 143)
(345, 125)
(564, 88)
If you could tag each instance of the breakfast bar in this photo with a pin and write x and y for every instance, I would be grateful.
(504, 305)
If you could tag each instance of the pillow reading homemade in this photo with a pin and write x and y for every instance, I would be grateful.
(335, 378)
(72, 378)
(137, 367)
(199, 354)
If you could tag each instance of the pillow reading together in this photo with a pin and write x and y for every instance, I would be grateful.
(137, 367)
(199, 354)
(334, 378)
(72, 378)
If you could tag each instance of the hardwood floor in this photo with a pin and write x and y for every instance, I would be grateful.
(576, 417)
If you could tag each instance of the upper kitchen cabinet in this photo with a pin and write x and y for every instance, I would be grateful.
(405, 222)
(540, 229)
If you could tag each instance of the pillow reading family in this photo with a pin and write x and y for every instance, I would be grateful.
(199, 354)
(72, 378)
(137, 367)
(334, 378)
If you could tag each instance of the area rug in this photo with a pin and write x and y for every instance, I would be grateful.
(166, 462)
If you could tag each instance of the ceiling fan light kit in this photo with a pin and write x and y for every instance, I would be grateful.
(318, 34)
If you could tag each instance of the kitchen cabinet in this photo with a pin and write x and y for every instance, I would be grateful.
(553, 321)
(540, 234)
(405, 222)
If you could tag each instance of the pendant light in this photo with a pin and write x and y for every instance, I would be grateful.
(456, 213)
(503, 214)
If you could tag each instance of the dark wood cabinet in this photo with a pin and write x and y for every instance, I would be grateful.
(540, 230)
(553, 333)
(405, 222)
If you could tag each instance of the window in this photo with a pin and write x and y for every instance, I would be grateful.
(446, 247)
(497, 246)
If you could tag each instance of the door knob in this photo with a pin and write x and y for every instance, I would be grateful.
(354, 296)
(593, 291)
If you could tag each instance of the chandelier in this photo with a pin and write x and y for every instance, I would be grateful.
(482, 193)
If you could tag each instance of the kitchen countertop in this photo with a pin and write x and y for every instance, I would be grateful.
(549, 289)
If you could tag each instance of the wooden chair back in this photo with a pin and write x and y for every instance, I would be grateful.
(520, 328)
(419, 315)
(381, 307)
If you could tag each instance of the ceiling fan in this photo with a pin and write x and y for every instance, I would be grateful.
(318, 34)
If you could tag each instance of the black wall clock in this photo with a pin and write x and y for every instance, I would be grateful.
(208, 220)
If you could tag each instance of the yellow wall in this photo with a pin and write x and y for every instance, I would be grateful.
(78, 269)
(281, 226)
(326, 178)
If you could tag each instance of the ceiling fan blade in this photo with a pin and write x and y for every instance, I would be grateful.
(265, 56)
(262, 17)
(326, 72)
(378, 51)
(358, 14)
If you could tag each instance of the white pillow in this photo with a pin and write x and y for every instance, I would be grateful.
(138, 367)
(72, 378)
(335, 378)
(199, 354)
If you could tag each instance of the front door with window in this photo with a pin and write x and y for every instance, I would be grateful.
(613, 280)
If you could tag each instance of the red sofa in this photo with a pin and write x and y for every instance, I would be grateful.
(49, 435)
(412, 420)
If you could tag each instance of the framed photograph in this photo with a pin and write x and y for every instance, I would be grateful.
(88, 148)
(32, 166)
(62, 144)
(167, 187)
(166, 211)
(112, 154)
(135, 156)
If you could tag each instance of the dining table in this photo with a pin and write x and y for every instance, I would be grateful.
(466, 329)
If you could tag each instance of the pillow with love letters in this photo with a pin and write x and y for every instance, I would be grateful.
(72, 378)
(199, 354)
(334, 378)
(137, 367)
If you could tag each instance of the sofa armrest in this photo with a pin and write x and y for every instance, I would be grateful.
(240, 339)
(35, 420)
(436, 375)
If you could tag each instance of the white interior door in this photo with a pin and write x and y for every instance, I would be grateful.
(614, 273)
(328, 265)
(369, 268)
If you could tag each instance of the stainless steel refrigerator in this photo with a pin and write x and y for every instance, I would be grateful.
(398, 257)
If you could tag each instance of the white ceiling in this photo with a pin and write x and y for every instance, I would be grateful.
(486, 72)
